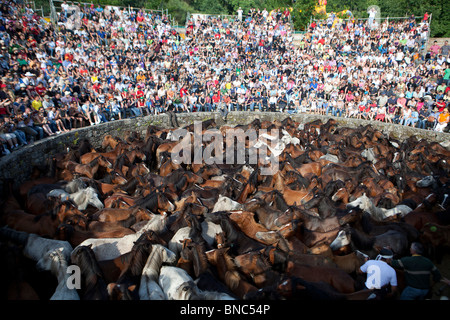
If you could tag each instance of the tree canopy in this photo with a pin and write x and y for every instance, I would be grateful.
(302, 10)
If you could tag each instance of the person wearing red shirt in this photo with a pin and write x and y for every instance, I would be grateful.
(183, 91)
(40, 89)
(216, 100)
(440, 104)
(97, 86)
(139, 93)
(68, 56)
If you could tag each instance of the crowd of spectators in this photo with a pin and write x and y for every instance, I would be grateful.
(101, 64)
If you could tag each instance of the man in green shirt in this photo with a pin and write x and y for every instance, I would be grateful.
(447, 75)
(417, 270)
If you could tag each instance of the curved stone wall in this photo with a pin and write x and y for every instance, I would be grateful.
(18, 165)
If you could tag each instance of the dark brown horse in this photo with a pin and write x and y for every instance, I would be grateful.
(93, 282)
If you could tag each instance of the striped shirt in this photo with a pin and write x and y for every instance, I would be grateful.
(418, 270)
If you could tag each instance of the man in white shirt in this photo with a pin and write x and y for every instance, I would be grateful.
(380, 275)
(239, 12)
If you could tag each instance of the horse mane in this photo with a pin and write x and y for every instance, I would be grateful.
(88, 263)
(280, 203)
(94, 162)
(232, 234)
(361, 240)
(179, 185)
(130, 185)
(139, 255)
(53, 213)
(366, 222)
(75, 185)
(156, 259)
(121, 160)
(149, 201)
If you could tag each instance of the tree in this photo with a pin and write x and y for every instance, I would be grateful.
(302, 13)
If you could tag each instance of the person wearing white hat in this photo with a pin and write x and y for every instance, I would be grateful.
(29, 79)
(381, 277)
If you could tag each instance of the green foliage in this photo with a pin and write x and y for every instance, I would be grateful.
(303, 9)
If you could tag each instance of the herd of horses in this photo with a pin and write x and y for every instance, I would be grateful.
(139, 225)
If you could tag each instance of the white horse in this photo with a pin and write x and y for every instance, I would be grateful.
(56, 262)
(330, 157)
(60, 194)
(81, 198)
(177, 284)
(84, 197)
(226, 204)
(75, 185)
(209, 231)
(149, 288)
(379, 214)
(369, 154)
(111, 248)
(35, 246)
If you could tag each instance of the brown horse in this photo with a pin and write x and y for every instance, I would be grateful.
(75, 236)
(256, 267)
(111, 156)
(110, 141)
(88, 170)
(114, 214)
(44, 225)
(297, 288)
(39, 203)
(337, 278)
(292, 197)
(436, 238)
(246, 222)
(93, 286)
(228, 272)
(425, 212)
(114, 267)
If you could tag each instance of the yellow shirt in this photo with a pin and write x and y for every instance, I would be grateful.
(36, 104)
(140, 78)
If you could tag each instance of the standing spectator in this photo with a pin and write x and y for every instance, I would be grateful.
(417, 270)
(381, 277)
(239, 12)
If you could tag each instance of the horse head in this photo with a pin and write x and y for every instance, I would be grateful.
(362, 202)
(187, 291)
(342, 239)
(426, 182)
(51, 261)
(92, 198)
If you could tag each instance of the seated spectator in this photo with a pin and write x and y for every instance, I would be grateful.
(442, 121)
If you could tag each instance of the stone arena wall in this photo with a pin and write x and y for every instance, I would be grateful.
(19, 164)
